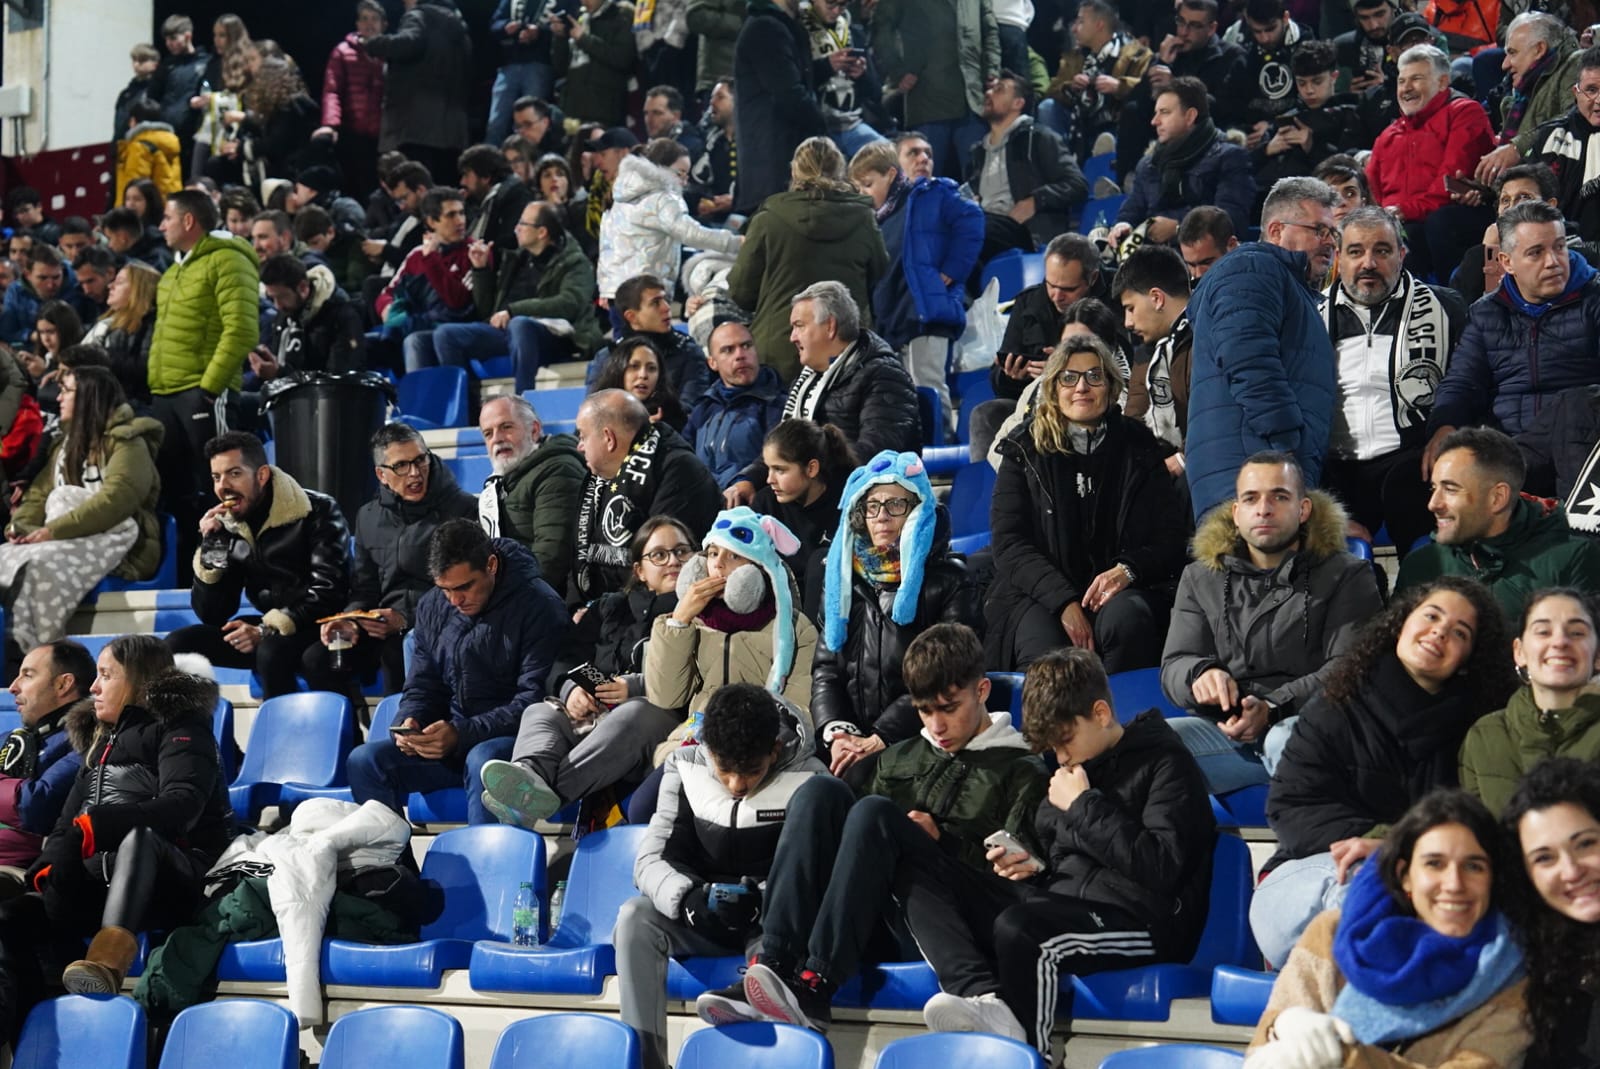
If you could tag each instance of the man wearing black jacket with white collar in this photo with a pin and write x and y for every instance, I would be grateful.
(1020, 172)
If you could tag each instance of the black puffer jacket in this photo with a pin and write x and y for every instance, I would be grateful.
(777, 106)
(294, 569)
(873, 401)
(391, 565)
(1558, 442)
(612, 634)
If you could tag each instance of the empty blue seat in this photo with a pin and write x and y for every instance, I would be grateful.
(959, 1048)
(971, 397)
(755, 1045)
(392, 1036)
(1243, 808)
(299, 739)
(579, 955)
(1016, 270)
(1359, 547)
(1005, 692)
(1175, 1056)
(1100, 166)
(1135, 691)
(944, 459)
(471, 471)
(227, 745)
(105, 1031)
(236, 1033)
(567, 1039)
(1101, 212)
(931, 410)
(1239, 996)
(166, 575)
(494, 367)
(433, 397)
(556, 403)
(970, 495)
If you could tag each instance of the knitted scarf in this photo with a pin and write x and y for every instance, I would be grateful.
(1406, 980)
(897, 193)
(1521, 94)
(719, 617)
(880, 567)
(612, 509)
(1173, 160)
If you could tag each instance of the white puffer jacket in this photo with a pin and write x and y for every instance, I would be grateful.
(647, 227)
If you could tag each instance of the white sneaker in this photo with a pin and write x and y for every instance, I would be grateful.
(1106, 142)
(981, 1013)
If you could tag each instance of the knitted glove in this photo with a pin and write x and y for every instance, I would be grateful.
(1303, 1039)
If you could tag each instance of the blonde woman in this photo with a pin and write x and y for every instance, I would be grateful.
(124, 331)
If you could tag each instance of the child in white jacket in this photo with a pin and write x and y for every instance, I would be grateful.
(648, 224)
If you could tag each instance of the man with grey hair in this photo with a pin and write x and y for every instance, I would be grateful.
(849, 377)
(1440, 134)
(637, 469)
(1569, 145)
(1392, 337)
(1262, 375)
(536, 486)
(1542, 58)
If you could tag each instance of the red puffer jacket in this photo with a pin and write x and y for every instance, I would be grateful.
(1413, 154)
(352, 89)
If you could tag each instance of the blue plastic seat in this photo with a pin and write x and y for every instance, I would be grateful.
(227, 745)
(236, 1033)
(1008, 268)
(959, 1048)
(447, 805)
(392, 1036)
(931, 411)
(1175, 1056)
(105, 1031)
(1005, 692)
(1135, 691)
(433, 397)
(471, 471)
(971, 397)
(755, 1045)
(567, 1039)
(579, 955)
(1243, 808)
(1100, 166)
(556, 403)
(1239, 996)
(1359, 547)
(166, 576)
(944, 459)
(1101, 212)
(494, 367)
(970, 495)
(295, 739)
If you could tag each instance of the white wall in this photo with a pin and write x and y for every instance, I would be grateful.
(75, 91)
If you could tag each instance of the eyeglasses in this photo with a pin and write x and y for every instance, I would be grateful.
(894, 506)
(1192, 24)
(1325, 233)
(402, 468)
(1587, 92)
(1094, 377)
(679, 553)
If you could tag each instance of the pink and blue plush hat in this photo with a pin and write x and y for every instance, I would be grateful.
(764, 541)
(916, 541)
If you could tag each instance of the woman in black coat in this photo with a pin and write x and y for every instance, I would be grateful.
(1089, 529)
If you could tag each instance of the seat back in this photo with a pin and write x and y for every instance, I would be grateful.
(227, 745)
(600, 881)
(1007, 268)
(1134, 691)
(556, 404)
(1359, 547)
(480, 869)
(969, 499)
(395, 1035)
(1101, 212)
(107, 1032)
(471, 471)
(1226, 939)
(973, 395)
(434, 395)
(959, 1048)
(755, 1045)
(299, 738)
(1174, 1056)
(931, 412)
(566, 1039)
(1005, 692)
(237, 1033)
(385, 713)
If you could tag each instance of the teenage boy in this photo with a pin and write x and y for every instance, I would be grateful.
(929, 804)
(718, 821)
(1123, 878)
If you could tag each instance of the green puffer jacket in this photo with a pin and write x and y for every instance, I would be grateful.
(1550, 98)
(541, 495)
(1504, 745)
(991, 783)
(129, 487)
(209, 317)
(562, 288)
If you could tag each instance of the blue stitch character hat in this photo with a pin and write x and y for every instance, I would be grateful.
(764, 541)
(916, 541)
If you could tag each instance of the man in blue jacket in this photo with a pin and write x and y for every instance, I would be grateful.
(37, 761)
(485, 639)
(731, 419)
(1263, 375)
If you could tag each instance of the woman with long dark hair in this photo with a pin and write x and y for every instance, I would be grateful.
(807, 465)
(144, 198)
(635, 366)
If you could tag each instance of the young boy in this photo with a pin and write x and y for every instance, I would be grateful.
(930, 803)
(723, 804)
(145, 61)
(1123, 878)
(149, 149)
(1323, 125)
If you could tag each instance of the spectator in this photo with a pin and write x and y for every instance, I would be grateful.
(1439, 134)
(641, 305)
(940, 59)
(662, 34)
(663, 118)
(27, 212)
(1270, 40)
(147, 201)
(54, 679)
(1193, 164)
(1244, 654)
(486, 636)
(57, 329)
(94, 267)
(520, 156)
(717, 23)
(1205, 236)
(1071, 273)
(1542, 60)
(1086, 549)
(715, 170)
(731, 420)
(410, 183)
(615, 433)
(634, 366)
(147, 149)
(523, 37)
(272, 234)
(1263, 368)
(595, 54)
(318, 186)
(125, 236)
(536, 487)
(495, 196)
(1021, 173)
(126, 330)
(851, 84)
(430, 289)
(1192, 50)
(648, 224)
(552, 177)
(1152, 286)
(178, 80)
(807, 466)
(776, 110)
(352, 98)
(1364, 52)
(1383, 731)
(76, 235)
(221, 108)
(1348, 181)
(145, 61)
(1563, 144)
(819, 229)
(427, 61)
(1085, 98)
(539, 123)
(44, 280)
(276, 129)
(283, 547)
(1319, 124)
(1480, 271)
(416, 493)
(317, 328)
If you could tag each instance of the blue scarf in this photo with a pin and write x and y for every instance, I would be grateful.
(1403, 979)
(1581, 273)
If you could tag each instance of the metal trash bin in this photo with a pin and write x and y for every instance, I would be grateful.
(321, 426)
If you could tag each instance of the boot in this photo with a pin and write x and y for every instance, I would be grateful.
(103, 968)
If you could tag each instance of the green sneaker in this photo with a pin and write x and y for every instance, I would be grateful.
(517, 794)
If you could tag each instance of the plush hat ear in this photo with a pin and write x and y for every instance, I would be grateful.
(783, 539)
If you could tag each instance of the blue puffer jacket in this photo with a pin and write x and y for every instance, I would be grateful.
(1263, 370)
(935, 231)
(30, 806)
(20, 314)
(1515, 356)
(482, 671)
(1223, 177)
(729, 423)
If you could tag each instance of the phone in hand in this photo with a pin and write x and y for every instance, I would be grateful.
(1005, 839)
(401, 729)
(1462, 186)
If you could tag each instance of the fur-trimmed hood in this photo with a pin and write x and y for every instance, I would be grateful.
(1217, 538)
(289, 505)
(173, 695)
(81, 725)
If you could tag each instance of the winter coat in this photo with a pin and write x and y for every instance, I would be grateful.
(30, 806)
(352, 89)
(495, 217)
(682, 361)
(1504, 745)
(558, 284)
(1537, 550)
(934, 232)
(539, 496)
(776, 109)
(598, 67)
(729, 423)
(1263, 373)
(1033, 329)
(20, 315)
(208, 317)
(1047, 549)
(129, 355)
(1334, 127)
(1277, 632)
(431, 288)
(391, 550)
(176, 81)
(701, 834)
(1413, 154)
(812, 525)
(327, 334)
(612, 636)
(528, 11)
(718, 23)
(279, 141)
(480, 672)
(1222, 177)
(1562, 144)
(1557, 444)
(952, 46)
(294, 566)
(1038, 165)
(150, 150)
(128, 489)
(647, 226)
(1551, 98)
(429, 58)
(798, 238)
(1141, 838)
(1508, 363)
(1222, 66)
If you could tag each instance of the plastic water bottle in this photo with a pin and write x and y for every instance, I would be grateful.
(558, 898)
(525, 918)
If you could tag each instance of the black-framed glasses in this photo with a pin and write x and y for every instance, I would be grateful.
(402, 468)
(679, 553)
(1325, 233)
(1094, 377)
(1192, 24)
(894, 506)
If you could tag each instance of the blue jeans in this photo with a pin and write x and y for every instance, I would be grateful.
(532, 79)
(855, 139)
(529, 342)
(1054, 115)
(1228, 765)
(378, 770)
(1289, 899)
(419, 350)
(950, 139)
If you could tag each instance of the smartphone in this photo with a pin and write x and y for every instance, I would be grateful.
(1009, 842)
(399, 729)
(857, 53)
(1460, 186)
(719, 893)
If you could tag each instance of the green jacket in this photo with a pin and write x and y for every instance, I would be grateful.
(209, 317)
(992, 783)
(1504, 745)
(565, 290)
(1537, 550)
(952, 46)
(540, 497)
(718, 23)
(1551, 99)
(129, 487)
(793, 240)
(599, 67)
